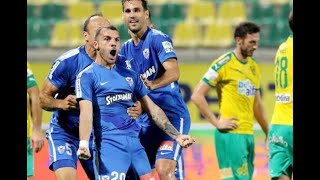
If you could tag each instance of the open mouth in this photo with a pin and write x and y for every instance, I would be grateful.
(113, 52)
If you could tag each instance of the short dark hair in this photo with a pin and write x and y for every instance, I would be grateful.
(291, 20)
(244, 28)
(111, 27)
(86, 22)
(144, 4)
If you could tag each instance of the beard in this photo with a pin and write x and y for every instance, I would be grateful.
(245, 53)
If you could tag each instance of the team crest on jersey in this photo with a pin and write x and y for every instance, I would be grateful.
(130, 81)
(105, 177)
(146, 53)
(61, 149)
(167, 46)
(253, 70)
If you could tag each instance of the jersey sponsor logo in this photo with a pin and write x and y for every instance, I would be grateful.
(167, 46)
(118, 97)
(130, 81)
(103, 83)
(149, 72)
(223, 60)
(274, 139)
(166, 145)
(246, 88)
(283, 98)
(146, 53)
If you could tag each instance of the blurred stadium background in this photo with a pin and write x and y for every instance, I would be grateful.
(201, 31)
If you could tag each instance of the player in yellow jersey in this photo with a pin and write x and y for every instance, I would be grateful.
(236, 78)
(280, 138)
(35, 137)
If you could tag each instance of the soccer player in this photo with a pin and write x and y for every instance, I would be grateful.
(58, 95)
(35, 138)
(280, 138)
(104, 92)
(235, 76)
(150, 52)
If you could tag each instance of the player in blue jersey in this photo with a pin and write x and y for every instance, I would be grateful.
(58, 95)
(150, 52)
(105, 91)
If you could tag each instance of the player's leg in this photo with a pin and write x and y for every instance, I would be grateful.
(113, 157)
(139, 160)
(234, 158)
(63, 153)
(89, 165)
(30, 160)
(280, 141)
(169, 158)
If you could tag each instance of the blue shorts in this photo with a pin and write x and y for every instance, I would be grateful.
(116, 153)
(63, 148)
(159, 145)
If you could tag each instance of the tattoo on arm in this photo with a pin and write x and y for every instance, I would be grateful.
(162, 121)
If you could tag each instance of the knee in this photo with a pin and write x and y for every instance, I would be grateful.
(165, 170)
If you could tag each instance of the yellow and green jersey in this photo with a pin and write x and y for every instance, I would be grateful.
(30, 83)
(236, 83)
(283, 109)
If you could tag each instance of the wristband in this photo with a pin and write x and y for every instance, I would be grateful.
(84, 143)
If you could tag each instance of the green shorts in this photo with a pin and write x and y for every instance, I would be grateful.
(280, 141)
(235, 154)
(30, 164)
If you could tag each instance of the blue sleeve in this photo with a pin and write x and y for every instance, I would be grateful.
(121, 61)
(140, 89)
(58, 74)
(162, 44)
(84, 86)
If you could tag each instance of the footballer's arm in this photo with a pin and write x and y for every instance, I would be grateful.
(170, 75)
(49, 103)
(162, 121)
(259, 113)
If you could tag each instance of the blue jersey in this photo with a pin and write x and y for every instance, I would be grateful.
(146, 58)
(62, 75)
(111, 93)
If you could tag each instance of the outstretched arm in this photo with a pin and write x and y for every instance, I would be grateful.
(162, 121)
